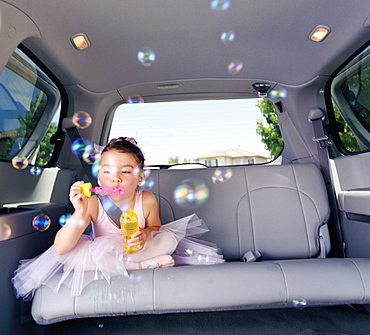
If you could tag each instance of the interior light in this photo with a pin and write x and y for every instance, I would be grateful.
(319, 33)
(80, 41)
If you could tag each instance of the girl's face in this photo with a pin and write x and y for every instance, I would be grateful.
(119, 169)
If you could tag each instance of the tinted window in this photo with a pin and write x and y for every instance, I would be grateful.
(351, 96)
(210, 132)
(29, 106)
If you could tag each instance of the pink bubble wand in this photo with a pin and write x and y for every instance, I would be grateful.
(86, 189)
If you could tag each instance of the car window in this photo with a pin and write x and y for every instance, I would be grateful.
(29, 111)
(220, 132)
(351, 98)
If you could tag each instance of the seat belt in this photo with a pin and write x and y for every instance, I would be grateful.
(109, 207)
(69, 127)
(316, 117)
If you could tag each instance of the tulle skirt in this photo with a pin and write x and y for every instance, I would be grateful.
(102, 258)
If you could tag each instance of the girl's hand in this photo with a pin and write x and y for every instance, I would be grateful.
(78, 200)
(138, 239)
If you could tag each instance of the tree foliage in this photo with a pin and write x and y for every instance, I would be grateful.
(270, 133)
(27, 125)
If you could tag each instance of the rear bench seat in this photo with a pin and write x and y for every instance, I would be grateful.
(275, 210)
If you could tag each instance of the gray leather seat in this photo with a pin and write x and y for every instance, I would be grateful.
(279, 211)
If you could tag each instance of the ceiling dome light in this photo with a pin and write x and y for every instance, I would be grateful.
(80, 41)
(319, 33)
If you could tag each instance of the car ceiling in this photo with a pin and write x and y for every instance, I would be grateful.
(271, 40)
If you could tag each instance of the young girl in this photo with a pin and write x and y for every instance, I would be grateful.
(82, 258)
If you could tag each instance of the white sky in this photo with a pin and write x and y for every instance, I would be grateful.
(190, 129)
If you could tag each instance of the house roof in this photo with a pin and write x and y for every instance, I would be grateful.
(232, 153)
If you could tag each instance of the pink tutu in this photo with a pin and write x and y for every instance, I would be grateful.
(102, 258)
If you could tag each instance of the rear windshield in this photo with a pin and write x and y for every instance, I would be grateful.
(210, 132)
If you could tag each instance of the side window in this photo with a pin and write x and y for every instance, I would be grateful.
(220, 132)
(351, 99)
(29, 110)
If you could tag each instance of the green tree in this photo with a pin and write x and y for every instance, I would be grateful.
(347, 137)
(46, 148)
(271, 135)
(173, 160)
(27, 126)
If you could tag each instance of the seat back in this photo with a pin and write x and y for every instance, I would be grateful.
(276, 210)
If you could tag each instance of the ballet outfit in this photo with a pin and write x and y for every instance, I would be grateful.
(100, 255)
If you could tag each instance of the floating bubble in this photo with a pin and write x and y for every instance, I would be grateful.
(146, 56)
(91, 156)
(299, 303)
(222, 175)
(167, 130)
(191, 192)
(95, 168)
(203, 258)
(35, 170)
(80, 146)
(147, 184)
(134, 277)
(235, 67)
(5, 231)
(279, 94)
(134, 99)
(20, 163)
(63, 219)
(227, 37)
(81, 119)
(41, 222)
(220, 5)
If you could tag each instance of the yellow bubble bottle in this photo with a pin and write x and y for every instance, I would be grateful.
(129, 225)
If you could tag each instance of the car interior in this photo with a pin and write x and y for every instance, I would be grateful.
(254, 115)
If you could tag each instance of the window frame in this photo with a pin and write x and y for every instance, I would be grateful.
(335, 127)
(57, 139)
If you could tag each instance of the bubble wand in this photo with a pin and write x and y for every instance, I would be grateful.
(86, 189)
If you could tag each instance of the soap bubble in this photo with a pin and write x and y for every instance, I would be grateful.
(220, 5)
(191, 192)
(64, 218)
(235, 67)
(279, 94)
(91, 156)
(203, 258)
(80, 146)
(147, 184)
(134, 99)
(5, 231)
(146, 56)
(222, 175)
(227, 37)
(41, 222)
(20, 163)
(35, 170)
(95, 167)
(81, 119)
(299, 303)
(135, 278)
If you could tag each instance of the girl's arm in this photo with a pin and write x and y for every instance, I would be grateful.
(69, 234)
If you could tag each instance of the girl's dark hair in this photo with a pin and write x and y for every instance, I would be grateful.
(126, 145)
